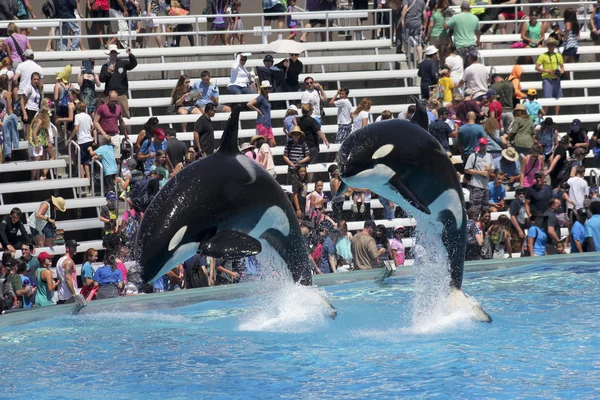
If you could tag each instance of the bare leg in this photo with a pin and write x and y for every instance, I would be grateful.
(183, 111)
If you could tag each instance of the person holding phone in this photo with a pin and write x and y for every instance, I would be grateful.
(114, 76)
(88, 82)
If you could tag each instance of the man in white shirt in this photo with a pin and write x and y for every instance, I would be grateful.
(476, 77)
(344, 107)
(313, 95)
(24, 71)
(578, 189)
(67, 289)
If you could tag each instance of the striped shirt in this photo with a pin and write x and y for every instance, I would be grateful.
(571, 40)
(296, 151)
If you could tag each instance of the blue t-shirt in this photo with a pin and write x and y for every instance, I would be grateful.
(470, 135)
(189, 264)
(27, 303)
(105, 276)
(509, 168)
(328, 250)
(264, 106)
(533, 109)
(207, 91)
(109, 163)
(539, 244)
(87, 271)
(288, 122)
(578, 233)
(592, 229)
(161, 283)
(148, 147)
(496, 193)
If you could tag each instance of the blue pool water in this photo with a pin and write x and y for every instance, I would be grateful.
(544, 343)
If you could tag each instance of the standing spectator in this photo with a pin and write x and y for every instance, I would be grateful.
(547, 137)
(506, 93)
(291, 22)
(240, 77)
(495, 107)
(552, 225)
(557, 161)
(42, 222)
(571, 37)
(398, 248)
(428, 70)
(578, 190)
(29, 96)
(265, 156)
(16, 44)
(314, 95)
(474, 236)
(440, 130)
(344, 109)
(100, 9)
(498, 236)
(537, 238)
(466, 32)
(204, 132)
(10, 226)
(518, 214)
(150, 148)
(296, 153)
(274, 7)
(534, 108)
(312, 133)
(114, 76)
(207, 93)
(40, 144)
(87, 270)
(88, 81)
(337, 204)
(328, 262)
(108, 279)
(360, 114)
(364, 248)
(497, 192)
(299, 191)
(520, 133)
(530, 165)
(292, 68)
(109, 214)
(153, 9)
(85, 139)
(45, 281)
(151, 125)
(551, 66)
(106, 155)
(455, 64)
(592, 227)
(469, 135)
(27, 255)
(476, 77)
(61, 92)
(537, 196)
(412, 18)
(119, 25)
(437, 35)
(289, 121)
(65, 270)
(235, 24)
(381, 241)
(480, 165)
(108, 121)
(578, 235)
(176, 149)
(263, 120)
(446, 83)
(65, 10)
(595, 28)
(316, 5)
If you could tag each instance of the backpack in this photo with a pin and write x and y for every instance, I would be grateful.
(196, 277)
(7, 293)
(471, 233)
(565, 172)
(131, 226)
(139, 193)
(49, 9)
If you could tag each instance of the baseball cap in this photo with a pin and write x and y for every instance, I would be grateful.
(468, 92)
(465, 5)
(160, 134)
(268, 57)
(163, 172)
(539, 173)
(491, 93)
(483, 141)
(399, 228)
(593, 190)
(71, 243)
(111, 196)
(442, 111)
(370, 224)
(28, 53)
(43, 256)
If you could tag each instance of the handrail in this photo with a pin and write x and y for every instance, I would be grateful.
(95, 161)
(594, 178)
(78, 149)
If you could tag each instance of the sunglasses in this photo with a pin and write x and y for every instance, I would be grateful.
(309, 83)
(319, 208)
(294, 55)
(25, 249)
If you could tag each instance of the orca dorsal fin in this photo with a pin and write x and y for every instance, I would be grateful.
(420, 116)
(229, 141)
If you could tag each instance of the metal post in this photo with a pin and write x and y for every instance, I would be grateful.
(327, 26)
(197, 29)
(516, 19)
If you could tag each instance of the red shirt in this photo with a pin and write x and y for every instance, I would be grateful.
(496, 107)
(109, 121)
(103, 4)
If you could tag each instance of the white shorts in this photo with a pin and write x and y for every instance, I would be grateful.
(34, 153)
(149, 23)
(116, 142)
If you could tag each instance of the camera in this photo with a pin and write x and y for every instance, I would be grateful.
(558, 73)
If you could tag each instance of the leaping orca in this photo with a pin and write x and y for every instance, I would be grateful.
(401, 161)
(224, 204)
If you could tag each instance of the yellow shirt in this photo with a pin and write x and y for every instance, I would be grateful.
(550, 62)
(448, 85)
(475, 10)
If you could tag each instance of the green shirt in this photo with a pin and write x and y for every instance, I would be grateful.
(43, 296)
(438, 25)
(550, 62)
(464, 25)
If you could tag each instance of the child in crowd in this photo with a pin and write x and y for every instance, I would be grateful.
(447, 84)
(86, 136)
(533, 107)
(289, 121)
(108, 213)
(235, 23)
(356, 193)
(106, 154)
(292, 23)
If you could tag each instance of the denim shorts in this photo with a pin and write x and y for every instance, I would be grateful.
(552, 88)
(570, 52)
(49, 231)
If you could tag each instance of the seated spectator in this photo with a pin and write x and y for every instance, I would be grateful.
(520, 133)
(498, 236)
(270, 73)
(385, 258)
(46, 286)
(207, 92)
(147, 133)
(578, 137)
(106, 154)
(292, 68)
(10, 226)
(265, 155)
(240, 77)
(497, 192)
(296, 153)
(108, 279)
(328, 261)
(536, 237)
(190, 157)
(183, 100)
(42, 222)
(316, 199)
(510, 165)
(530, 165)
(248, 150)
(149, 149)
(578, 234)
(407, 115)
(289, 121)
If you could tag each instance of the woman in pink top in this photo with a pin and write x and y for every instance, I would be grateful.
(530, 164)
(265, 156)
(397, 246)
(16, 44)
(248, 150)
(316, 198)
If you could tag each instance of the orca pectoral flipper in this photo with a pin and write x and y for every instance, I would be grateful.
(231, 244)
(397, 184)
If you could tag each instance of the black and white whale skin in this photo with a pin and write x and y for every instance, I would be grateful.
(403, 162)
(226, 205)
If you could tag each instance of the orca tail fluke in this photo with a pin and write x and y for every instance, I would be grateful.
(459, 300)
(229, 141)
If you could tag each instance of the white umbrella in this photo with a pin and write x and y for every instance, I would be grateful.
(283, 46)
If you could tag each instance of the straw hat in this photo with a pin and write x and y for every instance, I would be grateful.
(246, 146)
(59, 203)
(65, 74)
(265, 84)
(520, 107)
(510, 154)
(255, 138)
(111, 48)
(551, 42)
(296, 129)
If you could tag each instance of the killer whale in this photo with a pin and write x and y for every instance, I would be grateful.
(401, 161)
(224, 204)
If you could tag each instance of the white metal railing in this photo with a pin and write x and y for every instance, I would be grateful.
(129, 35)
(101, 173)
(75, 146)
